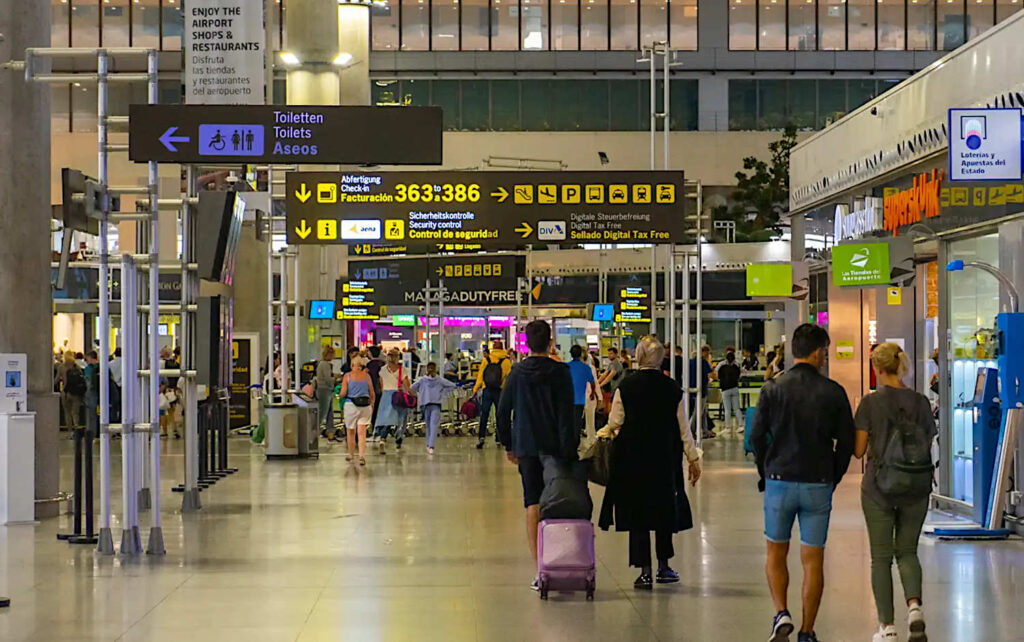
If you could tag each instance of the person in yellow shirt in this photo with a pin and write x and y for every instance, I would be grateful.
(490, 380)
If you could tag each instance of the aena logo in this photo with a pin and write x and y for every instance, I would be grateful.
(860, 258)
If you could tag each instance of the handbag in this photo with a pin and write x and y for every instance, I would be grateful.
(309, 390)
(565, 494)
(402, 399)
(598, 457)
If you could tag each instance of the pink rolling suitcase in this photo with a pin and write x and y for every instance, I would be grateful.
(565, 556)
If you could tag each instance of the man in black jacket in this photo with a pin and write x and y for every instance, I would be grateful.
(539, 392)
(803, 437)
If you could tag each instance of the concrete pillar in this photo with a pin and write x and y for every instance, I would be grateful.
(251, 296)
(26, 312)
(317, 81)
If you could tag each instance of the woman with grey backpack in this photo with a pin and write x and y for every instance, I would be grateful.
(895, 429)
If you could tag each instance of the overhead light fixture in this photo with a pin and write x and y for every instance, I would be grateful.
(290, 59)
(342, 59)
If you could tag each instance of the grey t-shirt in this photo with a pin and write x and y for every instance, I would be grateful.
(619, 370)
(324, 374)
(874, 417)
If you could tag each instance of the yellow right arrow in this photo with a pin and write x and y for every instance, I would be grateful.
(525, 229)
(303, 194)
(501, 194)
(303, 230)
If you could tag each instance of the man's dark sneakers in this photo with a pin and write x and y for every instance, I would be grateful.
(643, 583)
(807, 637)
(782, 626)
(666, 576)
(479, 445)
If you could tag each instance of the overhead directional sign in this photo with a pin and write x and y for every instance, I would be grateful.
(285, 134)
(451, 211)
(469, 280)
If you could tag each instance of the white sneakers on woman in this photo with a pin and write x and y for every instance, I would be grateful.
(886, 634)
(915, 619)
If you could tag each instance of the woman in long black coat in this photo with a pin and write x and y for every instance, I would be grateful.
(646, 488)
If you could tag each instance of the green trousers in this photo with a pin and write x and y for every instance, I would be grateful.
(893, 533)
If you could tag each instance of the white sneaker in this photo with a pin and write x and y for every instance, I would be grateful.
(886, 634)
(915, 619)
(430, 451)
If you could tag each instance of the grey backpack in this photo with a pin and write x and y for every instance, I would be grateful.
(906, 465)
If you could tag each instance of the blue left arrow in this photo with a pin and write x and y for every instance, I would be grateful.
(169, 139)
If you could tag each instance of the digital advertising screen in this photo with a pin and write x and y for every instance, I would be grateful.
(321, 309)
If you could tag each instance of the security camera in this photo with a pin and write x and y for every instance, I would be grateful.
(874, 111)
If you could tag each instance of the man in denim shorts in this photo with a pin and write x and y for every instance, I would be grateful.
(803, 436)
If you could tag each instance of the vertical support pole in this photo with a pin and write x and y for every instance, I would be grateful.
(440, 323)
(285, 361)
(666, 124)
(700, 314)
(426, 310)
(189, 290)
(105, 545)
(687, 406)
(654, 107)
(670, 306)
(129, 393)
(295, 329)
(156, 535)
(529, 285)
(271, 344)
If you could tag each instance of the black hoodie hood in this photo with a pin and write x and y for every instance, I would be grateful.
(540, 370)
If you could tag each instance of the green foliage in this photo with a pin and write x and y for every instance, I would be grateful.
(761, 198)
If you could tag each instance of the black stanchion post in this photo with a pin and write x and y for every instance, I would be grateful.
(225, 421)
(76, 501)
(204, 479)
(89, 537)
(214, 434)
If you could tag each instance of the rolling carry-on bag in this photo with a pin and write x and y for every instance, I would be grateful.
(565, 556)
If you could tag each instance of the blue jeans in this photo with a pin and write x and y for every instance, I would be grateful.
(432, 415)
(488, 400)
(786, 501)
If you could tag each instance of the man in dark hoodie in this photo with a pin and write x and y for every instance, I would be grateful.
(538, 392)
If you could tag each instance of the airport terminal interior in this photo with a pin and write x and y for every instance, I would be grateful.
(420, 320)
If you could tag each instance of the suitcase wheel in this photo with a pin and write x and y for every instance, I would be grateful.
(543, 590)
(590, 591)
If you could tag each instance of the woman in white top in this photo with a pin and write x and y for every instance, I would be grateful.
(391, 418)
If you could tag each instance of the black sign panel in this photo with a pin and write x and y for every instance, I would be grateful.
(634, 304)
(357, 300)
(240, 405)
(469, 280)
(452, 211)
(285, 134)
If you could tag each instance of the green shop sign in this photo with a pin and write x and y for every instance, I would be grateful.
(858, 264)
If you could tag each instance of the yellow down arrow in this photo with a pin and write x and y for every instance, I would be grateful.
(303, 195)
(501, 194)
(525, 229)
(303, 230)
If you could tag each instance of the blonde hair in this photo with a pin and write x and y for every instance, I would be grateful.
(69, 357)
(650, 352)
(394, 356)
(358, 361)
(328, 350)
(889, 358)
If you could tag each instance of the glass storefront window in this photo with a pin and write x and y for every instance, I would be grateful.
(683, 16)
(771, 110)
(173, 26)
(59, 36)
(891, 22)
(921, 25)
(445, 94)
(593, 107)
(85, 25)
(445, 27)
(832, 25)
(861, 24)
(504, 25)
(415, 25)
(951, 25)
(534, 25)
(505, 105)
(594, 25)
(802, 105)
(802, 25)
(771, 25)
(475, 25)
(146, 23)
(624, 105)
(742, 105)
(742, 25)
(624, 25)
(565, 33)
(653, 21)
(683, 105)
(980, 16)
(384, 25)
(476, 105)
(1006, 8)
(116, 24)
(973, 305)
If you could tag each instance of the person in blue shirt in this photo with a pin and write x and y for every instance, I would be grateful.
(431, 391)
(582, 374)
(706, 373)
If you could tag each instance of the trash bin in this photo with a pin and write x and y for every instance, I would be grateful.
(309, 431)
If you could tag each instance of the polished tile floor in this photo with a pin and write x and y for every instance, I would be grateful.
(417, 548)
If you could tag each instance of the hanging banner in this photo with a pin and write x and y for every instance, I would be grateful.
(224, 53)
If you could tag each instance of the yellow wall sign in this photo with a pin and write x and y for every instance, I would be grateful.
(894, 296)
(844, 349)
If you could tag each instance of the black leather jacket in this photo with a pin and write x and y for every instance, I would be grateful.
(803, 429)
